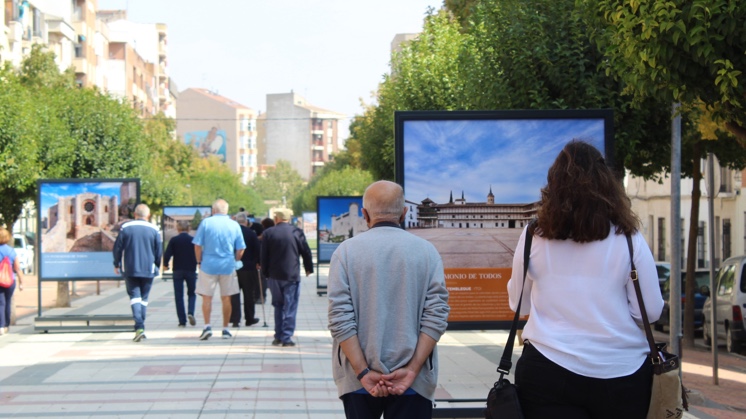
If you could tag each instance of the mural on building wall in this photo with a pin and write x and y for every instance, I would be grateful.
(339, 218)
(211, 142)
(472, 182)
(172, 215)
(79, 220)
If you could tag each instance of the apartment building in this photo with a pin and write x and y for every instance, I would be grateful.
(651, 201)
(295, 131)
(138, 66)
(217, 126)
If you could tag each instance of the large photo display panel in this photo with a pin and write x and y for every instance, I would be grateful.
(339, 218)
(79, 221)
(472, 182)
(173, 215)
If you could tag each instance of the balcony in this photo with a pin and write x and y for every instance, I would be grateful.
(81, 65)
(61, 27)
(15, 31)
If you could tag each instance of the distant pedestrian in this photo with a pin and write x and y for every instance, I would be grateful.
(248, 275)
(218, 245)
(265, 224)
(257, 227)
(139, 242)
(181, 248)
(282, 247)
(6, 293)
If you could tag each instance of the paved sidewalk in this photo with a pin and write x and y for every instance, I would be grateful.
(173, 374)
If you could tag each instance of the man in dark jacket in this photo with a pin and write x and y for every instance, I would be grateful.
(180, 247)
(248, 277)
(141, 244)
(282, 246)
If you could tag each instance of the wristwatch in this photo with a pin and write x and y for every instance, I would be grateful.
(362, 373)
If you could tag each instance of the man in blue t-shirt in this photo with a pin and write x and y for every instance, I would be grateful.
(218, 246)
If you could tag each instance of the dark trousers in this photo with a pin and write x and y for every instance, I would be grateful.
(6, 294)
(180, 277)
(365, 406)
(285, 295)
(248, 281)
(138, 290)
(547, 390)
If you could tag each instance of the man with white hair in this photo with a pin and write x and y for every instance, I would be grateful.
(218, 246)
(140, 243)
(388, 307)
(282, 247)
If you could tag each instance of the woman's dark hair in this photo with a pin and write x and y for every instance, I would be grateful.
(267, 223)
(582, 197)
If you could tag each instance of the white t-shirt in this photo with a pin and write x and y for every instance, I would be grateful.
(583, 312)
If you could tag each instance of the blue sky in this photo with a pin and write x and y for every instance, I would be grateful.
(186, 210)
(335, 206)
(51, 192)
(513, 156)
(332, 52)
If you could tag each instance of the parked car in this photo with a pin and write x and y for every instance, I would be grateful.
(24, 252)
(702, 277)
(730, 299)
(664, 271)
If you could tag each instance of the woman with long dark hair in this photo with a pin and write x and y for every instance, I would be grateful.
(585, 355)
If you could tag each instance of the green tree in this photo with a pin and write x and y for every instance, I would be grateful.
(196, 220)
(282, 181)
(210, 179)
(688, 52)
(338, 182)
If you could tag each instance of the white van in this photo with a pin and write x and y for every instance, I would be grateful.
(730, 296)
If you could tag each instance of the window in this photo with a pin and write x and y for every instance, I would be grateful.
(661, 239)
(726, 181)
(701, 245)
(726, 238)
(725, 281)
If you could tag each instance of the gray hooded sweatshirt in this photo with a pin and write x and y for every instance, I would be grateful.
(386, 286)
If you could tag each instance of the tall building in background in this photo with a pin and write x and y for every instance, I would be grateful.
(138, 66)
(304, 135)
(217, 126)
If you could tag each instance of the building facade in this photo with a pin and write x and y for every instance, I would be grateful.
(651, 201)
(304, 135)
(458, 213)
(217, 126)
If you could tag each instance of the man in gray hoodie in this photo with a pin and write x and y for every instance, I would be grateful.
(388, 307)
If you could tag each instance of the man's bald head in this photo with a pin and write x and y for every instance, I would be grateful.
(220, 206)
(384, 201)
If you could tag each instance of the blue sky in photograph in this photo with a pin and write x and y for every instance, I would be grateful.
(329, 206)
(51, 192)
(511, 156)
(186, 210)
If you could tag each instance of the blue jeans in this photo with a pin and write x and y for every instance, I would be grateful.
(138, 290)
(5, 295)
(181, 276)
(285, 295)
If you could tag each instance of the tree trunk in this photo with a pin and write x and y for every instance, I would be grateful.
(63, 294)
(691, 253)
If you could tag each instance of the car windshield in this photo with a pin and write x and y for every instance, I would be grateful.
(663, 271)
(700, 277)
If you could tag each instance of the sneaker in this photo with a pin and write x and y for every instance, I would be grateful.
(191, 320)
(139, 335)
(288, 343)
(206, 334)
(277, 342)
(226, 334)
(252, 322)
(182, 325)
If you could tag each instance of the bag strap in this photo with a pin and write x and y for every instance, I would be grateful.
(506, 362)
(641, 303)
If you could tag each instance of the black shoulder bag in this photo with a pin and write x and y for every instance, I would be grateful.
(502, 400)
